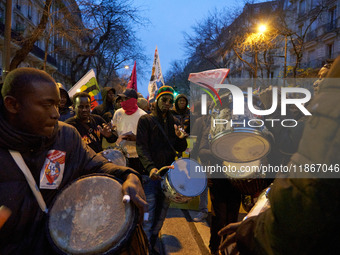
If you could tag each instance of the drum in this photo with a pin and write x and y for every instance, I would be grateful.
(238, 138)
(114, 156)
(245, 176)
(89, 217)
(185, 181)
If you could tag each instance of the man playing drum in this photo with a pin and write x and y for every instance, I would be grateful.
(54, 154)
(158, 139)
(92, 128)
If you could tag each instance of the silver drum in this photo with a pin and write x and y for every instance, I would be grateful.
(185, 181)
(238, 142)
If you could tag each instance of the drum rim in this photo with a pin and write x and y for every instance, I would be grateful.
(173, 186)
(242, 130)
(111, 250)
(112, 149)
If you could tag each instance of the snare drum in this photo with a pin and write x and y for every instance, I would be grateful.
(89, 217)
(245, 176)
(241, 138)
(114, 156)
(185, 181)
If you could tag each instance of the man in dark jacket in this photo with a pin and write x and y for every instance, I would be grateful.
(29, 125)
(107, 109)
(158, 139)
(92, 128)
(303, 217)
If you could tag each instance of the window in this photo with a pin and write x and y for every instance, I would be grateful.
(18, 4)
(330, 50)
(29, 10)
(302, 7)
(314, 3)
(332, 18)
(39, 16)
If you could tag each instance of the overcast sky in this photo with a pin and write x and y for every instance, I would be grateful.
(169, 19)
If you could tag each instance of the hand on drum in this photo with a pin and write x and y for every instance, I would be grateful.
(105, 130)
(5, 212)
(180, 132)
(230, 231)
(133, 187)
(154, 175)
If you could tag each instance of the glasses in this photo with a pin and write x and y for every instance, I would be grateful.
(170, 100)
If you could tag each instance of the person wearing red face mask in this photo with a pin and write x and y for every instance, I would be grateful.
(125, 121)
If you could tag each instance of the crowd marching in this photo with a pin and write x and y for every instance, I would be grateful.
(48, 141)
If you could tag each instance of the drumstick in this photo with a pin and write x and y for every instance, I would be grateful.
(5, 212)
(126, 199)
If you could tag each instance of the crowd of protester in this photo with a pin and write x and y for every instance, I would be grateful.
(153, 135)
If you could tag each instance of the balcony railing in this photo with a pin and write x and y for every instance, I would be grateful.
(331, 26)
(311, 36)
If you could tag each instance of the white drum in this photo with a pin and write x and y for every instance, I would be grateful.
(114, 156)
(185, 181)
(242, 138)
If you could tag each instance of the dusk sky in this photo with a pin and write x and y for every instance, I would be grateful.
(169, 19)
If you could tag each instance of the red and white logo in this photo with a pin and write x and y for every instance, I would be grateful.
(52, 172)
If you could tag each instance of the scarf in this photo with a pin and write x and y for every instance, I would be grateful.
(129, 106)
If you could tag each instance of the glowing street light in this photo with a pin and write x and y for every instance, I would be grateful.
(126, 67)
(262, 29)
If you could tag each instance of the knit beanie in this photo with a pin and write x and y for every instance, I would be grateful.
(165, 90)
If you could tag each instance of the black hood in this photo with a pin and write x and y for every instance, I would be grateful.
(176, 103)
(105, 91)
(68, 99)
(13, 139)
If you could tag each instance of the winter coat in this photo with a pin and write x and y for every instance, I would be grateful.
(153, 148)
(25, 230)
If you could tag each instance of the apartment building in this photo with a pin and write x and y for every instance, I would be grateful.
(57, 47)
(307, 37)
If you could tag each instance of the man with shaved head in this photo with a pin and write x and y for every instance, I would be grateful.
(29, 125)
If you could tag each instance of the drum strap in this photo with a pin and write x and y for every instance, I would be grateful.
(29, 178)
(163, 132)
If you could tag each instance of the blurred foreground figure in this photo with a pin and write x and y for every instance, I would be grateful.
(304, 213)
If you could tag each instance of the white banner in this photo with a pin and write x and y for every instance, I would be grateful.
(156, 79)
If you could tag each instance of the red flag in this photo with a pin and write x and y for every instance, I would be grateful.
(133, 79)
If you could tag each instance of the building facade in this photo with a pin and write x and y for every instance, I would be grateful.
(57, 47)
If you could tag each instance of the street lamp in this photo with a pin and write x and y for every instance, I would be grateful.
(126, 67)
(262, 28)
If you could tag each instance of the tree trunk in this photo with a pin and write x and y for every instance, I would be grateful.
(28, 44)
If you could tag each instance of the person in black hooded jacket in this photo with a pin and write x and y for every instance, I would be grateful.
(182, 112)
(107, 109)
(65, 109)
(29, 125)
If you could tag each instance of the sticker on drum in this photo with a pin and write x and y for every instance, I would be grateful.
(185, 181)
(89, 217)
(114, 156)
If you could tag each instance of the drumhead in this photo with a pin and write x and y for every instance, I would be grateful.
(114, 156)
(89, 217)
(241, 145)
(187, 178)
(241, 170)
